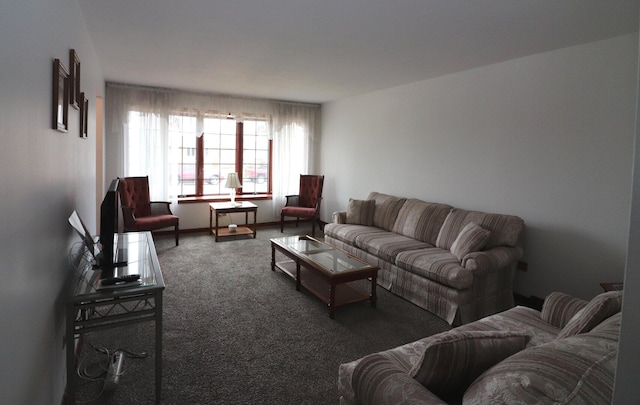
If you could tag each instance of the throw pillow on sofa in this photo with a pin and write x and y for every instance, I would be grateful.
(360, 212)
(558, 308)
(472, 238)
(453, 360)
(597, 310)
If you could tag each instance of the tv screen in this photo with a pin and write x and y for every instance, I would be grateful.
(108, 229)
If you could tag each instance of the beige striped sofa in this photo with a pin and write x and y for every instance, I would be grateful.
(455, 263)
(564, 354)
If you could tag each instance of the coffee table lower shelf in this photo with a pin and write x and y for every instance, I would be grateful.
(345, 293)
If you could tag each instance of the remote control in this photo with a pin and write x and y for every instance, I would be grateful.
(119, 280)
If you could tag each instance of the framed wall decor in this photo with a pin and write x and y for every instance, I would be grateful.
(74, 79)
(84, 116)
(60, 107)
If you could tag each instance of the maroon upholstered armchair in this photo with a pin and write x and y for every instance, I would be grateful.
(306, 204)
(141, 214)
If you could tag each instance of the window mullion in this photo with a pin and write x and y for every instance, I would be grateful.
(200, 165)
(239, 149)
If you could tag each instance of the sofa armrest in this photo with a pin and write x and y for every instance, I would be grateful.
(558, 308)
(492, 259)
(377, 379)
(339, 217)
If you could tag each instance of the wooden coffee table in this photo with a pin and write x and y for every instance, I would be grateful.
(325, 271)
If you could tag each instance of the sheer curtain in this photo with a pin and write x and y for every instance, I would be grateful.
(146, 150)
(137, 139)
(293, 138)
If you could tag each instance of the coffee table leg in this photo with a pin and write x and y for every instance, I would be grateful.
(332, 300)
(374, 297)
(273, 257)
(298, 275)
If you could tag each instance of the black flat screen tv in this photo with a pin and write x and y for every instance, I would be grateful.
(108, 229)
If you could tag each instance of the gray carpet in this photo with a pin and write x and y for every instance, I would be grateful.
(237, 333)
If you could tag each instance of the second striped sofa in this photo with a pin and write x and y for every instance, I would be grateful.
(564, 354)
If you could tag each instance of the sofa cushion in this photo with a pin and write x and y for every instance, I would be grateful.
(505, 229)
(609, 325)
(387, 208)
(558, 308)
(436, 264)
(597, 310)
(454, 359)
(360, 212)
(387, 245)
(471, 238)
(579, 369)
(421, 220)
(348, 233)
(523, 319)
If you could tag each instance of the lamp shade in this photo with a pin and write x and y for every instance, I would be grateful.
(233, 181)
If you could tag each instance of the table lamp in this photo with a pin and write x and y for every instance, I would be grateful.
(233, 182)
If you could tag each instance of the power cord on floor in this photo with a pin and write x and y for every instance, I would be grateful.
(98, 370)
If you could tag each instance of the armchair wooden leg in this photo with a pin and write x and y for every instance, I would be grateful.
(281, 223)
(177, 231)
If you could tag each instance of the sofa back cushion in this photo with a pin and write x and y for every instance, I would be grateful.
(505, 230)
(386, 211)
(421, 220)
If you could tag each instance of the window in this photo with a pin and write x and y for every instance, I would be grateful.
(186, 145)
(202, 159)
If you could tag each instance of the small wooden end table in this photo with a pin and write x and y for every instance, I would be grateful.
(221, 208)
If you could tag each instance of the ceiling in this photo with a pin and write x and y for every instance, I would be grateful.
(323, 50)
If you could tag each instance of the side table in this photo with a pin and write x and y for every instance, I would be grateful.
(218, 209)
(612, 286)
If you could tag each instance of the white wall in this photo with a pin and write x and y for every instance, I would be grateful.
(46, 174)
(547, 137)
(627, 390)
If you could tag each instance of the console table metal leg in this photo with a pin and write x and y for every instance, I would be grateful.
(71, 391)
(158, 370)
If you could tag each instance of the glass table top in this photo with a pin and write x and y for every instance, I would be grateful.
(322, 254)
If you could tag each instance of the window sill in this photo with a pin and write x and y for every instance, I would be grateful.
(222, 198)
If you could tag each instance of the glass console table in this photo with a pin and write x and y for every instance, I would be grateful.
(90, 309)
